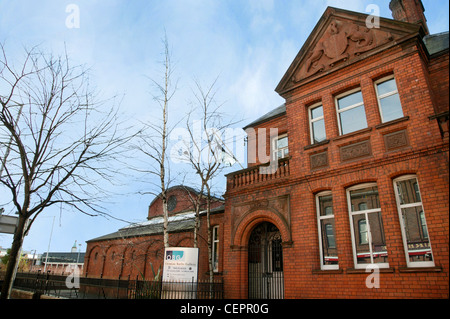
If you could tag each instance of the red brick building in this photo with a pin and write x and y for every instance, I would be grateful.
(133, 251)
(359, 168)
(357, 184)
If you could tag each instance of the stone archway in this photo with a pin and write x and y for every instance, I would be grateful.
(242, 226)
(265, 263)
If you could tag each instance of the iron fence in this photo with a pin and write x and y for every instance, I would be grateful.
(158, 289)
(45, 284)
(56, 285)
(100, 288)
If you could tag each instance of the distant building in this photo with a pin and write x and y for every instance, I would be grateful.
(28, 259)
(59, 263)
(137, 250)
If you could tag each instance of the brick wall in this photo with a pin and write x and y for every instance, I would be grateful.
(183, 202)
(378, 154)
(280, 123)
(439, 82)
(132, 257)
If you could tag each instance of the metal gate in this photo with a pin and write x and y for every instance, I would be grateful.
(265, 263)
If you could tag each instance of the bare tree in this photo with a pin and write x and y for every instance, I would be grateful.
(205, 152)
(154, 138)
(196, 199)
(58, 141)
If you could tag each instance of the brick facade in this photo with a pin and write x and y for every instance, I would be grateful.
(386, 182)
(122, 255)
(414, 145)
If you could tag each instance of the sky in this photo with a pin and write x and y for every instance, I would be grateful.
(247, 45)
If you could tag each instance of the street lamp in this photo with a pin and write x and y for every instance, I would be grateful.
(49, 241)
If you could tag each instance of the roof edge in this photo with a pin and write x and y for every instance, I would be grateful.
(268, 116)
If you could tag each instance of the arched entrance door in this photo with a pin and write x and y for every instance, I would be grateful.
(265, 263)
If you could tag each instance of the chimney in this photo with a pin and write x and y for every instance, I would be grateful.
(411, 11)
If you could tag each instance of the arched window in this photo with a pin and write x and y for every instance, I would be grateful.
(368, 240)
(415, 235)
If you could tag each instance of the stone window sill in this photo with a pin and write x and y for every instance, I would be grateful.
(363, 271)
(402, 119)
(420, 269)
(316, 145)
(342, 137)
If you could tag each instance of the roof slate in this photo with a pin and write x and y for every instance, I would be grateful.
(436, 43)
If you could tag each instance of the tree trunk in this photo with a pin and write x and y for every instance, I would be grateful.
(166, 223)
(208, 226)
(13, 259)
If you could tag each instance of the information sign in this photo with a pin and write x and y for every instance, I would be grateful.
(180, 264)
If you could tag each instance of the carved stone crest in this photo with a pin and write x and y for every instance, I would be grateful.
(340, 42)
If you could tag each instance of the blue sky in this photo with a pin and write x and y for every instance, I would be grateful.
(247, 44)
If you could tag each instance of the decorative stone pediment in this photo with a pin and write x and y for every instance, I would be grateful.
(341, 38)
(341, 41)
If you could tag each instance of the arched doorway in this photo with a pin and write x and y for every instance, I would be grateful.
(265, 263)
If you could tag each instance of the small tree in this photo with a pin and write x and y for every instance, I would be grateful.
(207, 159)
(153, 139)
(196, 199)
(58, 141)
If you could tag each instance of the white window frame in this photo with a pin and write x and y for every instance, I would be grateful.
(369, 234)
(387, 78)
(215, 240)
(311, 120)
(340, 96)
(319, 228)
(411, 264)
(275, 147)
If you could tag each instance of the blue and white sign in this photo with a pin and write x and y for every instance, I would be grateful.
(180, 264)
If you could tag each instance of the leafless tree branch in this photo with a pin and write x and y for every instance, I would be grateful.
(58, 142)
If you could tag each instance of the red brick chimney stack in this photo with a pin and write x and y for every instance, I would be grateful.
(411, 11)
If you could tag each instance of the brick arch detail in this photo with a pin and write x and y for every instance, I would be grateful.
(253, 218)
(185, 241)
(89, 258)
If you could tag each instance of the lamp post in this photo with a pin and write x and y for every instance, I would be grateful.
(49, 241)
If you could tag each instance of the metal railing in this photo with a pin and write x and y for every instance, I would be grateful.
(56, 286)
(101, 288)
(45, 284)
(158, 289)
